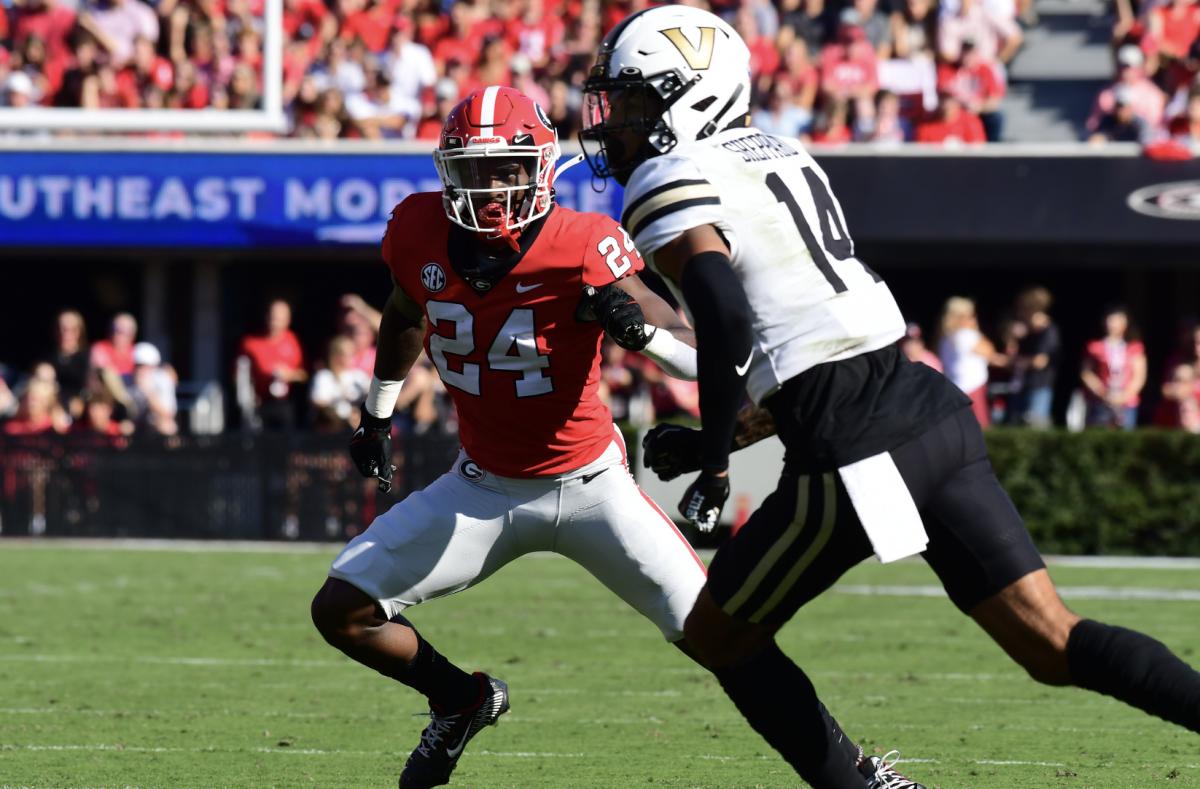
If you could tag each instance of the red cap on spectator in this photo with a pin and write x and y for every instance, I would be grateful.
(403, 22)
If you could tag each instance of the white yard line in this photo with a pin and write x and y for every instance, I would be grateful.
(120, 748)
(1069, 592)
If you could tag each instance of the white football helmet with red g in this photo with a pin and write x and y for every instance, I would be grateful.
(496, 158)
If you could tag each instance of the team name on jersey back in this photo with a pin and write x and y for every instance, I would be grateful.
(760, 147)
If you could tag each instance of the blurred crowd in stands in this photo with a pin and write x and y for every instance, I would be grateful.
(118, 387)
(1154, 97)
(828, 70)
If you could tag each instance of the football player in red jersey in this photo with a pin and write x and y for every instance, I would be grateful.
(510, 296)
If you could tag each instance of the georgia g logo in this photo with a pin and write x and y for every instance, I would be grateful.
(433, 278)
(541, 115)
(470, 471)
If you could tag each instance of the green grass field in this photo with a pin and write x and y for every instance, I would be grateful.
(137, 668)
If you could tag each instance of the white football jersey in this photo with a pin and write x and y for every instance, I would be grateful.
(813, 300)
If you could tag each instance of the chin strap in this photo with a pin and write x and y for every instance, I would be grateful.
(567, 165)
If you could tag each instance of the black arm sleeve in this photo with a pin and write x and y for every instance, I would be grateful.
(722, 318)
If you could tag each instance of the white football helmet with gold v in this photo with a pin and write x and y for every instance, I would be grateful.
(663, 76)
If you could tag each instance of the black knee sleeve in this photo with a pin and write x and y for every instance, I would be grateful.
(1135, 669)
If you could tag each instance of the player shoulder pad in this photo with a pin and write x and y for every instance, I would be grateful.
(609, 254)
(666, 196)
(417, 209)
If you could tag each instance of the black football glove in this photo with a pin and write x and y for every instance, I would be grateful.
(618, 313)
(371, 449)
(670, 450)
(702, 502)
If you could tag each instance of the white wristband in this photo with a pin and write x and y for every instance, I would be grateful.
(381, 397)
(677, 359)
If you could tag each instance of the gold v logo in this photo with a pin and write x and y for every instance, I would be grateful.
(699, 58)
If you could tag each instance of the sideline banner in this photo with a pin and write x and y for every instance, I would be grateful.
(222, 200)
(259, 196)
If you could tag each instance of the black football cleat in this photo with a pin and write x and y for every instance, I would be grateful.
(881, 773)
(446, 736)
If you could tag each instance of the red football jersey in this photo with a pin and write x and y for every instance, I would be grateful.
(524, 372)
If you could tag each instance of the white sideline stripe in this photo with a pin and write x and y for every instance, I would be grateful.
(169, 661)
(272, 546)
(495, 754)
(1069, 592)
(1127, 562)
(180, 546)
(269, 662)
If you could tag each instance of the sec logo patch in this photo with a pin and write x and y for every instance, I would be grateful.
(433, 277)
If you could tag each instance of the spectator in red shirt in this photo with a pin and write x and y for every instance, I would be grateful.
(99, 418)
(1174, 26)
(188, 93)
(536, 34)
(313, 13)
(461, 41)
(146, 69)
(800, 73)
(952, 125)
(848, 67)
(115, 354)
(1180, 406)
(275, 363)
(1114, 373)
(764, 57)
(47, 20)
(39, 411)
(974, 82)
(370, 22)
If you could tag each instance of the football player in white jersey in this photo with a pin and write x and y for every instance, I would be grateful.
(882, 455)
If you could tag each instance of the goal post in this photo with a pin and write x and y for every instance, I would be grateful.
(269, 118)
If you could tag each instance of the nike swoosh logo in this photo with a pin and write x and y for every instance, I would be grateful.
(741, 369)
(589, 477)
(454, 752)
(526, 288)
